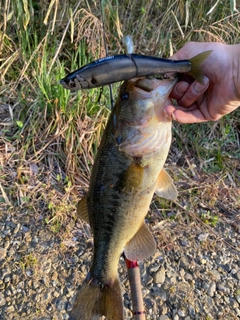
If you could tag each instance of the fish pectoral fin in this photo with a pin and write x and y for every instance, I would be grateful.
(141, 246)
(132, 178)
(82, 209)
(165, 187)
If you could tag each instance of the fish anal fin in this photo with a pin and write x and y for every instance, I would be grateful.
(82, 209)
(141, 246)
(165, 187)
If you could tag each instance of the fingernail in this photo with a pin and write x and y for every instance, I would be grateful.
(198, 87)
(166, 114)
(174, 117)
(170, 116)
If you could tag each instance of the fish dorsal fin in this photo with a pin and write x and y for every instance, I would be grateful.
(82, 209)
(141, 246)
(165, 187)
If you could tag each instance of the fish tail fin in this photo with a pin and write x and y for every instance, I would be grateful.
(196, 62)
(98, 299)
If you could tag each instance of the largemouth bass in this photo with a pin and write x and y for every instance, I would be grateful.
(127, 171)
(127, 66)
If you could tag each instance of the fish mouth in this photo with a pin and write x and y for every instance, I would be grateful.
(143, 86)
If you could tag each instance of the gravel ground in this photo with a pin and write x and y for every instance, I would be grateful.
(194, 274)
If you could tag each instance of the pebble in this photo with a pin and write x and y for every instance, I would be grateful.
(212, 288)
(164, 309)
(223, 287)
(3, 253)
(163, 317)
(2, 300)
(237, 275)
(159, 276)
(191, 311)
(181, 313)
(9, 309)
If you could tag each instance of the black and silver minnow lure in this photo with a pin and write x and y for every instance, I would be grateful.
(121, 67)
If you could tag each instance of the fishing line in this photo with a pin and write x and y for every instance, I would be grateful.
(106, 50)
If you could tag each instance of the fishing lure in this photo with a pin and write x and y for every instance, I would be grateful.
(121, 67)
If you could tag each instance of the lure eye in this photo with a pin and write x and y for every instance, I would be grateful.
(124, 96)
(72, 84)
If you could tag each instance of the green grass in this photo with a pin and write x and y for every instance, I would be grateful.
(40, 44)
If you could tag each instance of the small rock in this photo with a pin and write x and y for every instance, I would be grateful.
(191, 311)
(203, 237)
(3, 253)
(47, 267)
(163, 317)
(147, 279)
(188, 277)
(184, 263)
(182, 273)
(148, 303)
(54, 275)
(16, 228)
(60, 305)
(9, 309)
(211, 289)
(162, 294)
(223, 287)
(159, 276)
(210, 301)
(7, 279)
(203, 261)
(164, 309)
(184, 243)
(2, 300)
(237, 275)
(181, 313)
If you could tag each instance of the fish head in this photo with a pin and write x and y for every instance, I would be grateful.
(141, 122)
(141, 99)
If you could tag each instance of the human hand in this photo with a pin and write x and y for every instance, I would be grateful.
(220, 93)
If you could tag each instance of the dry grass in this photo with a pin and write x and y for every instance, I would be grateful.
(49, 138)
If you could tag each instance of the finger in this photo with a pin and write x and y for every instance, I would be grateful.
(179, 90)
(194, 116)
(193, 93)
(183, 115)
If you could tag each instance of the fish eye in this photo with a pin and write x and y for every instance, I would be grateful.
(124, 96)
